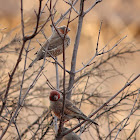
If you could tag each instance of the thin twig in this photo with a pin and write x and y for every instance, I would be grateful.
(25, 38)
(101, 52)
(63, 16)
(89, 9)
(98, 38)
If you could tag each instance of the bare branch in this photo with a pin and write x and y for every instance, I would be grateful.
(88, 10)
(75, 50)
(105, 104)
(101, 52)
(63, 16)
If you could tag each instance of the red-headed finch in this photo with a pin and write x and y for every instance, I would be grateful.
(54, 44)
(70, 110)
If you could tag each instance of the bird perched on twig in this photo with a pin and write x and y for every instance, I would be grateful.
(70, 110)
(54, 45)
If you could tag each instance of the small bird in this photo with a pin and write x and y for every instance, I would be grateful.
(70, 136)
(54, 45)
(70, 110)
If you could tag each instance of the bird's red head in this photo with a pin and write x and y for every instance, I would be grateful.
(54, 95)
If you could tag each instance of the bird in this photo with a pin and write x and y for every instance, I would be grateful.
(70, 110)
(53, 46)
(69, 136)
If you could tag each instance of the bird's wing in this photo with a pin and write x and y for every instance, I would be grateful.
(72, 108)
(42, 48)
(73, 112)
(54, 42)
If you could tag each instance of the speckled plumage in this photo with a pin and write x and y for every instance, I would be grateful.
(70, 110)
(54, 44)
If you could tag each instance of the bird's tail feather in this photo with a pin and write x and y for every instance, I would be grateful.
(92, 121)
(33, 62)
(88, 119)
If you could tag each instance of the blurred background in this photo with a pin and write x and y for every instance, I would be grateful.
(120, 18)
